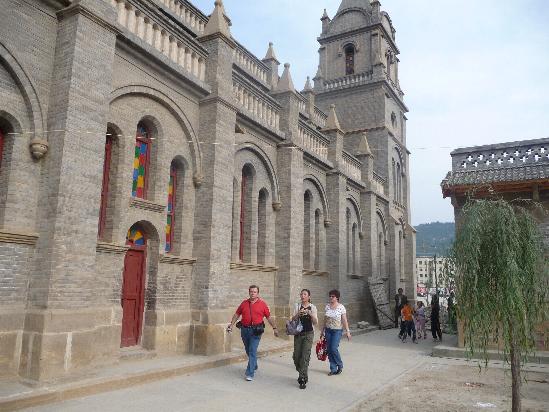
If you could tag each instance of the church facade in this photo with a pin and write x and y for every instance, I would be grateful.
(152, 168)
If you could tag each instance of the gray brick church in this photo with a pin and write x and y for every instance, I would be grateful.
(152, 168)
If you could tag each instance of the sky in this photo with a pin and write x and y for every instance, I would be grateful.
(474, 72)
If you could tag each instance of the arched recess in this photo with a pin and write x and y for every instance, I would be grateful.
(28, 91)
(266, 161)
(356, 207)
(22, 120)
(110, 184)
(255, 183)
(381, 246)
(174, 109)
(138, 281)
(315, 220)
(323, 198)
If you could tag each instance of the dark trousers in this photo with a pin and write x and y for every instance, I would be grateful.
(410, 328)
(302, 353)
(435, 328)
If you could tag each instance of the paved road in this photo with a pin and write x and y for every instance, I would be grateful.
(370, 363)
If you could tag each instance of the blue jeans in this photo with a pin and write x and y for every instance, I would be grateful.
(251, 343)
(333, 336)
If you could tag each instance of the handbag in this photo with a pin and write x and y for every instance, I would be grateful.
(322, 349)
(294, 327)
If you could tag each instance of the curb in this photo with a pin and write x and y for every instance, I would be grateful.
(46, 396)
(441, 351)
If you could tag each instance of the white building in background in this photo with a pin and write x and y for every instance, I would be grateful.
(430, 273)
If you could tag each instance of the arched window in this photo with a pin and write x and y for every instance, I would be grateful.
(307, 230)
(141, 161)
(389, 65)
(246, 188)
(348, 235)
(400, 255)
(354, 245)
(349, 60)
(105, 185)
(317, 239)
(399, 184)
(172, 198)
(262, 226)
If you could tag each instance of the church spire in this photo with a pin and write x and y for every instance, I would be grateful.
(270, 53)
(354, 4)
(286, 84)
(217, 22)
(332, 123)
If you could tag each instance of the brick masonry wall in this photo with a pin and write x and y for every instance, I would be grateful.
(114, 83)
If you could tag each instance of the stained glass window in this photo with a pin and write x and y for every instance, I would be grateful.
(141, 161)
(170, 222)
(135, 237)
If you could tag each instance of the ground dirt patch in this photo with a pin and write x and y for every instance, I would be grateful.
(453, 388)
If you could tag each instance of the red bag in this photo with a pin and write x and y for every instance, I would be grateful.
(322, 349)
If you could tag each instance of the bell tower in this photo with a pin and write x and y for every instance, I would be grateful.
(358, 73)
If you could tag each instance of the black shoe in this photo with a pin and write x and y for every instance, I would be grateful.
(332, 373)
(339, 371)
(302, 385)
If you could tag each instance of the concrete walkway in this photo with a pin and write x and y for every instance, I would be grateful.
(372, 361)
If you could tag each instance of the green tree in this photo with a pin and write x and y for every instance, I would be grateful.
(501, 281)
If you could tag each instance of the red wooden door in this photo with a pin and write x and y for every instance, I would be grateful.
(132, 297)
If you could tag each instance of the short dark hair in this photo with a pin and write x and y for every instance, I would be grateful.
(400, 290)
(334, 292)
(253, 287)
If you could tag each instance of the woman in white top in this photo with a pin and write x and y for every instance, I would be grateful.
(335, 321)
(303, 342)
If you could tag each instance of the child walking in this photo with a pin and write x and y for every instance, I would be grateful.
(420, 320)
(408, 318)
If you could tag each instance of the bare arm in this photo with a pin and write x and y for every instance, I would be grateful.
(273, 325)
(233, 321)
(346, 326)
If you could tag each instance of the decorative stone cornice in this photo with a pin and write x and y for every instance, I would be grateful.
(18, 237)
(147, 205)
(176, 260)
(307, 272)
(252, 267)
(103, 247)
(105, 18)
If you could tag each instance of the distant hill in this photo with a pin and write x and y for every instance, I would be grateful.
(434, 238)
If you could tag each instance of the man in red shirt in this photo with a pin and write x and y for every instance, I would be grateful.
(252, 311)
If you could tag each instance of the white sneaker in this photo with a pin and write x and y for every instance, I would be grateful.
(249, 378)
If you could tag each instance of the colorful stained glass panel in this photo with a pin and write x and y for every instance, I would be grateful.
(171, 209)
(135, 237)
(139, 169)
